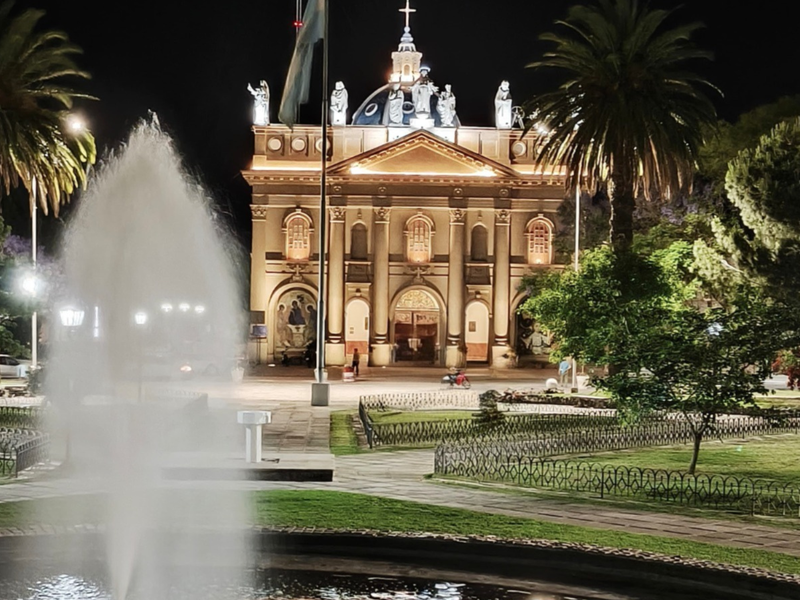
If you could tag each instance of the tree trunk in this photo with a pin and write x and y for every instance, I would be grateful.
(698, 438)
(623, 204)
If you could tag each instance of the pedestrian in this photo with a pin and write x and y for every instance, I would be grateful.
(563, 369)
(356, 360)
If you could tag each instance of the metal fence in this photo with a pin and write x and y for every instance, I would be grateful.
(484, 458)
(20, 417)
(21, 449)
(422, 400)
(421, 433)
(711, 491)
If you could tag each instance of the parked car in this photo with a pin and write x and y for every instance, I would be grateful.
(13, 367)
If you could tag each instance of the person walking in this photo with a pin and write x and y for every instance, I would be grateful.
(356, 360)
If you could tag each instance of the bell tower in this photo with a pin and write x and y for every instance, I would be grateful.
(406, 61)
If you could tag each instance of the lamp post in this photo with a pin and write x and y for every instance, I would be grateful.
(71, 320)
(576, 265)
(140, 318)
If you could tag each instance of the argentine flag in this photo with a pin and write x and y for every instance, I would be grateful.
(298, 80)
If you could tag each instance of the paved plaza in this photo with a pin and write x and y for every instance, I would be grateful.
(297, 428)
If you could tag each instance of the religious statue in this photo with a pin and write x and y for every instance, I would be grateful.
(446, 106)
(504, 118)
(421, 93)
(260, 103)
(396, 100)
(339, 104)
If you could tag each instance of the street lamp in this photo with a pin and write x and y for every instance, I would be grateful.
(71, 319)
(199, 309)
(140, 318)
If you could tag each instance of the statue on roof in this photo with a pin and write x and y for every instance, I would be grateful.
(446, 106)
(339, 104)
(421, 93)
(260, 103)
(504, 118)
(396, 100)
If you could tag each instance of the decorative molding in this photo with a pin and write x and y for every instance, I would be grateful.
(504, 192)
(457, 216)
(502, 217)
(259, 212)
(418, 271)
(337, 214)
(297, 270)
(337, 189)
(382, 190)
(382, 214)
(458, 192)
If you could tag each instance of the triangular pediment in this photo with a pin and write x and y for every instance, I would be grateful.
(422, 154)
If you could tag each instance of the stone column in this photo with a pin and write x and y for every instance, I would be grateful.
(454, 355)
(258, 275)
(381, 348)
(334, 347)
(501, 285)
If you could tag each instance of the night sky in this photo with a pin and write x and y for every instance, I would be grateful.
(191, 62)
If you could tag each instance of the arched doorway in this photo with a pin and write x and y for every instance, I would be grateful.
(416, 327)
(294, 322)
(477, 334)
(531, 344)
(356, 327)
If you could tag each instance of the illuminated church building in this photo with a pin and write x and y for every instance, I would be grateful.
(432, 224)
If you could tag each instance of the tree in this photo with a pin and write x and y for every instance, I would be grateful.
(759, 243)
(629, 114)
(672, 353)
(38, 150)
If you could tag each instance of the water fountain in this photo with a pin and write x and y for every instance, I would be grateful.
(148, 267)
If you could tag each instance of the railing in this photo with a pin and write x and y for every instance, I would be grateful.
(19, 417)
(422, 400)
(754, 496)
(486, 458)
(20, 449)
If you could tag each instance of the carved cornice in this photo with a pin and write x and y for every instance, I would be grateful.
(502, 217)
(259, 212)
(457, 216)
(382, 214)
(337, 214)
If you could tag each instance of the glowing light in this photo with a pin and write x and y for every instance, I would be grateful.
(297, 24)
(184, 307)
(166, 307)
(75, 124)
(199, 309)
(71, 317)
(140, 317)
(357, 170)
(30, 285)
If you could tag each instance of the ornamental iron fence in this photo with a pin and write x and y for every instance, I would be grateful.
(21, 449)
(22, 417)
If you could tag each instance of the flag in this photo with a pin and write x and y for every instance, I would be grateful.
(298, 81)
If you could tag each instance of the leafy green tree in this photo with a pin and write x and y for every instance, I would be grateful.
(671, 353)
(760, 242)
(39, 150)
(630, 112)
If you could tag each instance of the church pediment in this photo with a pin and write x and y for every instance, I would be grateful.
(425, 155)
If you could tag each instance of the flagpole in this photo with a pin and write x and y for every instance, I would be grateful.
(320, 394)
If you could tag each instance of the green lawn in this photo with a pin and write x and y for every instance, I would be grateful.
(780, 399)
(397, 416)
(343, 439)
(283, 508)
(776, 458)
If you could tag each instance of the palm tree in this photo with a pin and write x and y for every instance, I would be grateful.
(629, 114)
(38, 147)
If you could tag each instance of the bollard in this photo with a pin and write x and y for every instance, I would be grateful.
(253, 420)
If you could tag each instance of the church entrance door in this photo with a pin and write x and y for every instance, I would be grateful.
(477, 334)
(416, 327)
(356, 328)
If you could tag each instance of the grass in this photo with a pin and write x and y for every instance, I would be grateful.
(287, 508)
(396, 416)
(343, 439)
(776, 458)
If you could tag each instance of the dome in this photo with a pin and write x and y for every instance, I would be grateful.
(374, 110)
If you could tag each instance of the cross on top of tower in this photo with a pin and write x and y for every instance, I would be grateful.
(408, 10)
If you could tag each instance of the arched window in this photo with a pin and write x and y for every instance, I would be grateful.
(418, 234)
(540, 241)
(298, 237)
(479, 246)
(358, 242)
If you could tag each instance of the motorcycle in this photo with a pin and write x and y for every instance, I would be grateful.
(457, 379)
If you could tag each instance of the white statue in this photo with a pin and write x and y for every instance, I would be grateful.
(421, 93)
(504, 118)
(446, 106)
(260, 103)
(396, 100)
(339, 105)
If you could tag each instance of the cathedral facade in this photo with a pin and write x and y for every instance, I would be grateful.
(431, 227)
